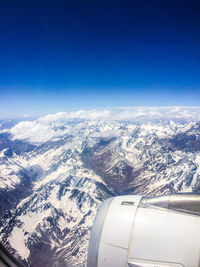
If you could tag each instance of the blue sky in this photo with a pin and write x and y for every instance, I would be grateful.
(68, 55)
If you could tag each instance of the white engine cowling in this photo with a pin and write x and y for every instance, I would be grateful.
(134, 231)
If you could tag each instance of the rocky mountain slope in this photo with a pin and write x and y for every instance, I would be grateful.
(57, 170)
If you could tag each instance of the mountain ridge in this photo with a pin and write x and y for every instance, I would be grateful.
(60, 181)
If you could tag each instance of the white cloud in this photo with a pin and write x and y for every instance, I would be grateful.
(25, 116)
(56, 125)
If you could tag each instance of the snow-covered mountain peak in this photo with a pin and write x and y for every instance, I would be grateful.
(56, 170)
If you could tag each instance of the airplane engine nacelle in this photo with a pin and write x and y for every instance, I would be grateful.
(134, 231)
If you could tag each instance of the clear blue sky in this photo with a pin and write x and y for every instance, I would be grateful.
(59, 55)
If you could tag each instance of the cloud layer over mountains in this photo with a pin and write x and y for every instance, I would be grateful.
(80, 159)
(55, 125)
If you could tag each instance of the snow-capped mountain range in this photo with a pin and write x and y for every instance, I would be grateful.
(55, 172)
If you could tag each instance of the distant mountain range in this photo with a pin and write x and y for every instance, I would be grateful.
(55, 172)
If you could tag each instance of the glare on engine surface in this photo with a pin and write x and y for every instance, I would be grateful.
(135, 231)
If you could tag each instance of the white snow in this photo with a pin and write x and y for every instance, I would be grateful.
(53, 126)
(31, 220)
(136, 144)
(18, 241)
